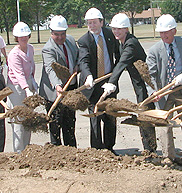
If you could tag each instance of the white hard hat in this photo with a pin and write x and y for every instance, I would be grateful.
(58, 23)
(93, 13)
(165, 23)
(120, 20)
(21, 29)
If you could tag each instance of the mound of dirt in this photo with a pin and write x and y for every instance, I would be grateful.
(112, 104)
(62, 72)
(52, 168)
(75, 100)
(34, 101)
(142, 68)
(30, 119)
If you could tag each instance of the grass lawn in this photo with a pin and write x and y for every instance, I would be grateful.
(143, 32)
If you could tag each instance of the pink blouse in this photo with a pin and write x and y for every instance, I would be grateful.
(20, 66)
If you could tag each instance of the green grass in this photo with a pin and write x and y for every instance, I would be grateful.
(143, 32)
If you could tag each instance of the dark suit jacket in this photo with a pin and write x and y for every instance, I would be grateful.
(130, 52)
(88, 60)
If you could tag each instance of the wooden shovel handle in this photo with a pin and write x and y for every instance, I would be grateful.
(150, 98)
(4, 105)
(95, 81)
(176, 116)
(170, 91)
(100, 100)
(60, 95)
(174, 109)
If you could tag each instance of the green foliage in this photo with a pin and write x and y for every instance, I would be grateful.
(172, 7)
(134, 6)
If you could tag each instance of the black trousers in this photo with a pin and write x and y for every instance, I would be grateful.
(109, 130)
(63, 119)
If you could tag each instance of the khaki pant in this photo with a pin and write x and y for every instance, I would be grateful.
(166, 133)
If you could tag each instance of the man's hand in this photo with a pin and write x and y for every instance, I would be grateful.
(178, 80)
(59, 89)
(109, 88)
(89, 83)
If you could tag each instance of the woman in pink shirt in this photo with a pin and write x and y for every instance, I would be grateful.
(21, 70)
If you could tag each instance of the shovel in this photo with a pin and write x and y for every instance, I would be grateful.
(151, 98)
(162, 114)
(96, 112)
(61, 95)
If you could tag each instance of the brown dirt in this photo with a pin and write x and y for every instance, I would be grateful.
(5, 92)
(61, 71)
(112, 104)
(75, 100)
(66, 169)
(143, 120)
(34, 101)
(142, 68)
(30, 119)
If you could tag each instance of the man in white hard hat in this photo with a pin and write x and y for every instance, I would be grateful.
(130, 51)
(159, 62)
(60, 48)
(90, 63)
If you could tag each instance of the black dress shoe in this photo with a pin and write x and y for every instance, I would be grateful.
(114, 152)
(178, 160)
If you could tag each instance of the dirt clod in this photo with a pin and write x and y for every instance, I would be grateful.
(112, 104)
(62, 72)
(75, 100)
(142, 68)
(34, 101)
(30, 119)
(5, 92)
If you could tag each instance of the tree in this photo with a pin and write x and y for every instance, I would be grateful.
(132, 7)
(8, 15)
(36, 11)
(172, 7)
(72, 10)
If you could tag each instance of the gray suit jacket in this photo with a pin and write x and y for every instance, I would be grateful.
(157, 61)
(52, 53)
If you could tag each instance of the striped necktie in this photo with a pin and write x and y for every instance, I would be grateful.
(100, 56)
(66, 55)
(171, 65)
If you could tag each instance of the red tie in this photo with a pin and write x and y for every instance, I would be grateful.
(66, 55)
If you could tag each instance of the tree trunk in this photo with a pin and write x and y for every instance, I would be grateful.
(38, 32)
(79, 22)
(132, 23)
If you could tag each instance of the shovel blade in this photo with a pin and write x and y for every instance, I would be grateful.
(118, 114)
(93, 114)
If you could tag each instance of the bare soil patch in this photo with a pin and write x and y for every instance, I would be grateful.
(52, 168)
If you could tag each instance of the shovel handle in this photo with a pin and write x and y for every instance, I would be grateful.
(150, 98)
(171, 91)
(4, 105)
(174, 109)
(61, 95)
(100, 100)
(95, 81)
(175, 117)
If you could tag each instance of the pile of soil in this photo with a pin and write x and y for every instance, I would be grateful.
(112, 104)
(142, 68)
(52, 168)
(75, 100)
(5, 92)
(30, 119)
(34, 101)
(62, 72)
(145, 121)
